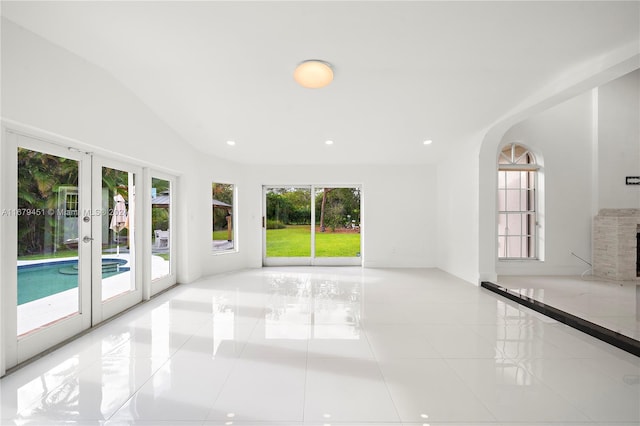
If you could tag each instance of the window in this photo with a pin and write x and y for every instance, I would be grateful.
(517, 201)
(223, 223)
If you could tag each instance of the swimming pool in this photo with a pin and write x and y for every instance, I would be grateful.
(39, 280)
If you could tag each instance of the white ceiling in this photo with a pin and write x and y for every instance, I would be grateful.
(404, 71)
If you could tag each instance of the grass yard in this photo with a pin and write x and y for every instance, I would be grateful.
(57, 254)
(337, 245)
(221, 235)
(295, 241)
(165, 256)
(292, 241)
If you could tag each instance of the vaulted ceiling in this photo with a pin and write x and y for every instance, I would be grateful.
(405, 72)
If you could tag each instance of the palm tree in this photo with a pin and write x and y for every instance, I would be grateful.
(39, 177)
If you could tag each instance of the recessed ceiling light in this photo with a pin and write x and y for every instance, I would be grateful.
(231, 143)
(328, 142)
(313, 74)
(428, 142)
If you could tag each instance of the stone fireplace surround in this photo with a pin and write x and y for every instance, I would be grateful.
(615, 241)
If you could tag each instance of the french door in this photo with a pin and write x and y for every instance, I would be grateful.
(72, 243)
(162, 259)
(312, 225)
(116, 281)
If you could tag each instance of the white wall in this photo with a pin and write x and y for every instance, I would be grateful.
(561, 138)
(458, 214)
(588, 144)
(574, 82)
(220, 171)
(50, 89)
(398, 213)
(53, 90)
(619, 142)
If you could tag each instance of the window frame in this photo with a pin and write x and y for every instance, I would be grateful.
(234, 216)
(529, 238)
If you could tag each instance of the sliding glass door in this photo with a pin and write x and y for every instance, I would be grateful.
(287, 225)
(311, 225)
(337, 227)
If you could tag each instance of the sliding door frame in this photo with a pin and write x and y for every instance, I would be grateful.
(286, 261)
(312, 260)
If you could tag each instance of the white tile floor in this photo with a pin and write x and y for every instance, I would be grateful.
(611, 304)
(328, 346)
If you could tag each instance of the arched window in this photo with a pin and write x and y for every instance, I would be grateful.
(517, 203)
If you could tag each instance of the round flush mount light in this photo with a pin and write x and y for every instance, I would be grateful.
(328, 142)
(313, 74)
(231, 143)
(428, 142)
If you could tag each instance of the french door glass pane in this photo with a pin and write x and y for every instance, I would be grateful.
(48, 262)
(160, 222)
(288, 222)
(118, 202)
(337, 222)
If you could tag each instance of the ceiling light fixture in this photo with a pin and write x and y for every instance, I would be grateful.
(313, 74)
(428, 142)
(328, 142)
(231, 143)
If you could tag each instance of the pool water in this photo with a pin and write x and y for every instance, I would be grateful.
(44, 279)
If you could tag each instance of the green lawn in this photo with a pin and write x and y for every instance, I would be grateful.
(295, 241)
(165, 256)
(59, 253)
(337, 245)
(221, 235)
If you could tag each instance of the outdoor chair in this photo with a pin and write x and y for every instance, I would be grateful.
(161, 239)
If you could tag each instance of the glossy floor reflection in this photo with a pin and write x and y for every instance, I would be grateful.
(614, 305)
(328, 346)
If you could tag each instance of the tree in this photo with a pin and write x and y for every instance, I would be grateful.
(342, 202)
(40, 177)
(159, 214)
(290, 206)
(221, 192)
(325, 192)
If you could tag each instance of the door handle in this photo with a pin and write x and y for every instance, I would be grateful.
(87, 239)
